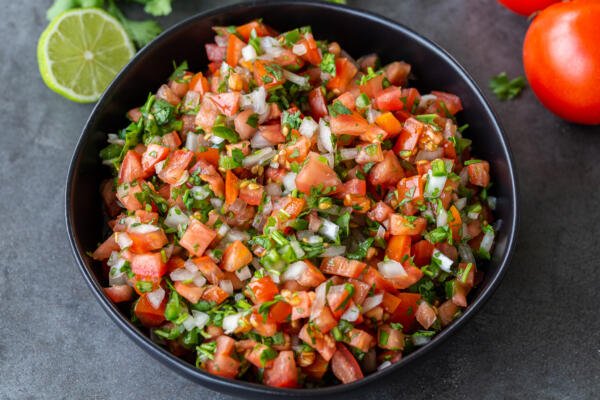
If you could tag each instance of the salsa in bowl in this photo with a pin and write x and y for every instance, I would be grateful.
(292, 216)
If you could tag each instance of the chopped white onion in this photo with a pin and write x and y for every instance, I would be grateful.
(372, 115)
(200, 192)
(330, 159)
(258, 141)
(473, 215)
(487, 241)
(115, 275)
(234, 235)
(371, 302)
(308, 127)
(442, 217)
(491, 200)
(333, 251)
(214, 139)
(275, 276)
(299, 49)
(352, 313)
(259, 157)
(156, 297)
(319, 301)
(273, 189)
(289, 181)
(256, 100)
(223, 230)
(225, 69)
(158, 167)
(143, 228)
(448, 164)
(297, 248)
(391, 269)
(384, 365)
(271, 48)
(181, 274)
(123, 240)
(114, 139)
(231, 322)
(199, 279)
(216, 202)
(460, 203)
(190, 265)
(325, 141)
(189, 323)
(435, 185)
(464, 176)
(420, 340)
(249, 53)
(443, 261)
(348, 153)
(226, 285)
(380, 232)
(294, 78)
(426, 100)
(244, 273)
(176, 218)
(329, 230)
(191, 141)
(294, 271)
(465, 253)
(200, 318)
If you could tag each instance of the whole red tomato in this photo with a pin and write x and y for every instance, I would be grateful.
(527, 7)
(561, 55)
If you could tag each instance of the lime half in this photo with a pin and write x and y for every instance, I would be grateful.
(81, 52)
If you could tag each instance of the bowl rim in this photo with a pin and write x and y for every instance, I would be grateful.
(238, 386)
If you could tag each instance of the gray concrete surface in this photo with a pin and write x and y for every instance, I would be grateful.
(537, 338)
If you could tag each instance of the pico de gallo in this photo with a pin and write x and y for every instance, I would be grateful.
(292, 216)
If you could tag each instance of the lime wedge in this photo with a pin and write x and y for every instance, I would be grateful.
(81, 52)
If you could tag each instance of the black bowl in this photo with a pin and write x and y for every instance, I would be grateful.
(358, 33)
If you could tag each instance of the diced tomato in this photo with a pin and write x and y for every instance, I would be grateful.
(316, 172)
(425, 315)
(342, 266)
(288, 208)
(389, 99)
(412, 188)
(146, 242)
(359, 339)
(398, 248)
(149, 264)
(126, 194)
(387, 172)
(390, 302)
(312, 55)
(266, 78)
(236, 256)
(280, 312)
(344, 365)
(410, 226)
(317, 369)
(131, 167)
(347, 99)
(283, 373)
(369, 153)
(348, 124)
(317, 103)
(262, 326)
(413, 275)
(190, 292)
(175, 166)
(242, 127)
(215, 53)
(422, 252)
(147, 314)
(323, 319)
(209, 269)
(255, 356)
(197, 237)
(227, 103)
(389, 123)
(209, 155)
(207, 114)
(373, 278)
(338, 298)
(301, 305)
(405, 312)
(171, 140)
(323, 343)
(214, 293)
(390, 338)
(397, 73)
(409, 137)
(234, 50)
(223, 365)
(199, 84)
(106, 248)
(354, 186)
(165, 93)
(361, 290)
(312, 276)
(272, 133)
(380, 212)
(451, 103)
(345, 71)
(119, 293)
(208, 173)
(479, 173)
(232, 187)
(154, 153)
(373, 86)
(447, 311)
(252, 194)
(298, 150)
(259, 28)
(262, 289)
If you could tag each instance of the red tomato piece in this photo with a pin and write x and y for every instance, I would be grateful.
(388, 172)
(215, 53)
(283, 373)
(348, 124)
(154, 153)
(344, 365)
(342, 266)
(479, 173)
(197, 237)
(263, 289)
(317, 103)
(150, 264)
(235, 256)
(119, 293)
(146, 242)
(175, 166)
(405, 312)
(147, 314)
(317, 172)
(227, 103)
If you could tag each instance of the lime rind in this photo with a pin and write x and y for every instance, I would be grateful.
(68, 73)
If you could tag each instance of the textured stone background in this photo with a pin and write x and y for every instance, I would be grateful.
(538, 337)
